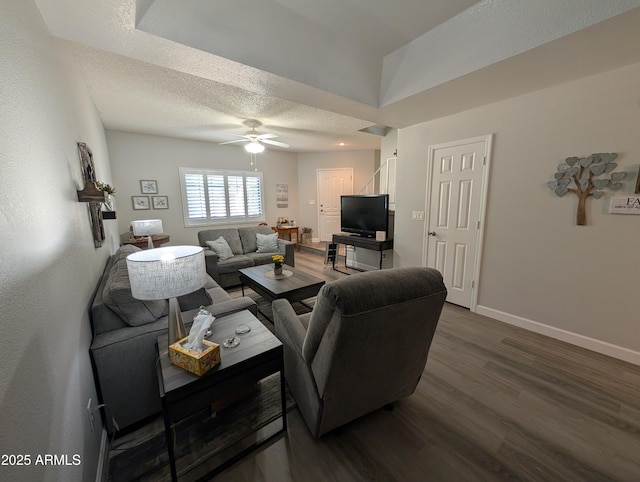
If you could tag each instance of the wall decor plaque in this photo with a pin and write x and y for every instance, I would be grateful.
(578, 176)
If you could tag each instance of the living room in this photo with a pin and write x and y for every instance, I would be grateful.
(539, 270)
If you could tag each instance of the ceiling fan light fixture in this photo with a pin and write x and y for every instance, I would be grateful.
(254, 148)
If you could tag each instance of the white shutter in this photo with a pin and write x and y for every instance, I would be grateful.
(219, 197)
(195, 196)
(254, 196)
(236, 196)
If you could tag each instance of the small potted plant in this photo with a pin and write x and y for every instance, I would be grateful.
(278, 260)
(110, 191)
(305, 238)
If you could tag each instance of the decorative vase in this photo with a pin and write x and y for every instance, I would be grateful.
(277, 271)
(108, 202)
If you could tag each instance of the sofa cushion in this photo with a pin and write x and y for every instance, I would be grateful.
(267, 243)
(201, 297)
(248, 237)
(221, 248)
(260, 258)
(232, 265)
(117, 296)
(124, 251)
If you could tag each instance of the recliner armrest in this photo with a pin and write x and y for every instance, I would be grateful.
(288, 327)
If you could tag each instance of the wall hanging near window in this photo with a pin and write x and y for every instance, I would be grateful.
(282, 195)
(148, 186)
(160, 202)
(91, 194)
(140, 202)
(578, 176)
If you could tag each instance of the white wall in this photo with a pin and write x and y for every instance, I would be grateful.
(539, 269)
(138, 156)
(362, 162)
(50, 267)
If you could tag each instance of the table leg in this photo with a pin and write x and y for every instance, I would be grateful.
(283, 399)
(169, 440)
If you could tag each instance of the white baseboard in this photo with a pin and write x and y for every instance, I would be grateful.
(592, 344)
(103, 460)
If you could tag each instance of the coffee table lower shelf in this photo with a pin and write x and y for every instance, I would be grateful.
(299, 286)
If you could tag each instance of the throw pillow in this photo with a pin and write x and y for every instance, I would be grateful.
(194, 300)
(221, 248)
(117, 296)
(267, 243)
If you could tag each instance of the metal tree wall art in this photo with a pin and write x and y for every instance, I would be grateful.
(581, 173)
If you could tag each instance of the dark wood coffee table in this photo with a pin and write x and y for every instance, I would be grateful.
(258, 355)
(297, 287)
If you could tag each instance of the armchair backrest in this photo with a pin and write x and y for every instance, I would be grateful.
(369, 335)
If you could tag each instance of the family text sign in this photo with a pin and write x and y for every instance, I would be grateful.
(625, 205)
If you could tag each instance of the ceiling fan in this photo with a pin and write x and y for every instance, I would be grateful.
(255, 140)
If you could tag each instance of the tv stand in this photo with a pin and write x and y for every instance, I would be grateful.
(362, 242)
(364, 236)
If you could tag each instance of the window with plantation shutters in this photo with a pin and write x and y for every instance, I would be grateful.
(219, 197)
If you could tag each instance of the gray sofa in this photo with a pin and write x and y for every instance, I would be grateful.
(363, 346)
(125, 330)
(242, 242)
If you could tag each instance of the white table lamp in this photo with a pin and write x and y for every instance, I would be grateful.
(147, 227)
(166, 273)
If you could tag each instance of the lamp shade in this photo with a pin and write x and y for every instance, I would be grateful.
(147, 227)
(167, 272)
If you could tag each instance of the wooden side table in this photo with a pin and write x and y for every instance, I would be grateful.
(258, 355)
(142, 241)
(289, 231)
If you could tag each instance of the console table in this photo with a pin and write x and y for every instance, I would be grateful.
(291, 231)
(142, 241)
(362, 242)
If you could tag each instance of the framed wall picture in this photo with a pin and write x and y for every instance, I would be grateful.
(89, 175)
(160, 202)
(140, 202)
(282, 195)
(149, 186)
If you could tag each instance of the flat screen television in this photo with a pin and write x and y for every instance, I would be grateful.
(363, 215)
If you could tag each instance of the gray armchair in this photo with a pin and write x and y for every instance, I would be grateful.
(363, 346)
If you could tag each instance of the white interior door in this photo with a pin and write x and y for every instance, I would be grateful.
(332, 183)
(456, 206)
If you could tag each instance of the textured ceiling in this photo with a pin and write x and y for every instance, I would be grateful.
(315, 73)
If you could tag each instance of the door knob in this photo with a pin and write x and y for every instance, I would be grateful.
(431, 233)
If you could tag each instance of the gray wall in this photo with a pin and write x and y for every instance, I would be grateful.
(364, 164)
(539, 269)
(50, 267)
(137, 156)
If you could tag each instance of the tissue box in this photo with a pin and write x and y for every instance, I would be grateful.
(196, 362)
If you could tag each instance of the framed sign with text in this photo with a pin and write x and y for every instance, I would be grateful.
(625, 205)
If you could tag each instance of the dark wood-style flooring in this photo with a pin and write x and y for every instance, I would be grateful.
(495, 402)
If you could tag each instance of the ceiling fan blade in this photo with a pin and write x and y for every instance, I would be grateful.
(267, 136)
(274, 143)
(232, 142)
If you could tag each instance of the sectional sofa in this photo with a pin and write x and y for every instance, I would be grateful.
(125, 330)
(245, 252)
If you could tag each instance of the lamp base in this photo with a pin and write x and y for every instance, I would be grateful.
(177, 331)
(149, 242)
